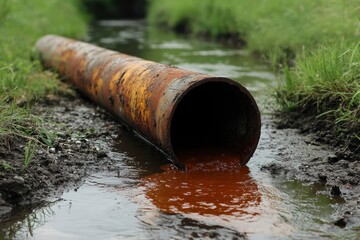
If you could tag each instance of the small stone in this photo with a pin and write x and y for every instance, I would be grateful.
(332, 158)
(322, 177)
(19, 179)
(61, 134)
(52, 150)
(315, 159)
(341, 223)
(335, 191)
(344, 155)
(101, 154)
(195, 235)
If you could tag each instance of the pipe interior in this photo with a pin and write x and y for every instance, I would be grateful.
(213, 115)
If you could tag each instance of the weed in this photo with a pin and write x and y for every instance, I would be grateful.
(90, 132)
(47, 137)
(29, 150)
(16, 121)
(6, 166)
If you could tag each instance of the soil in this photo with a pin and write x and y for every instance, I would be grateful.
(323, 130)
(76, 153)
(314, 157)
(79, 126)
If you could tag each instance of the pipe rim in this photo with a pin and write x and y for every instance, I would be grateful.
(250, 151)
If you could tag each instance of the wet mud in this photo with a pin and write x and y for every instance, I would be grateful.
(81, 127)
(304, 156)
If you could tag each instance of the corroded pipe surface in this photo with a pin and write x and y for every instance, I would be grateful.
(172, 108)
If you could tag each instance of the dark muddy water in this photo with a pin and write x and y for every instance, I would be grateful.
(146, 199)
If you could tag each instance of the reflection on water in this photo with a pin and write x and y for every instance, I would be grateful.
(213, 184)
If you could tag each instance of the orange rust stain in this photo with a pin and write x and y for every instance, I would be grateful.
(61, 60)
(213, 184)
(79, 70)
(95, 73)
(113, 82)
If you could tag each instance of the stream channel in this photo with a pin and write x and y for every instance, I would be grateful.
(145, 199)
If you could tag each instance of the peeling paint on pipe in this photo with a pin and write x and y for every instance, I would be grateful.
(172, 108)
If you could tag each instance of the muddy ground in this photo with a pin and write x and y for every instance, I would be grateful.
(80, 125)
(303, 156)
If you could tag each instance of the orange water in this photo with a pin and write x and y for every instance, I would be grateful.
(213, 184)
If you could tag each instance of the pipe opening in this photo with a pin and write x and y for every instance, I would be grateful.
(215, 115)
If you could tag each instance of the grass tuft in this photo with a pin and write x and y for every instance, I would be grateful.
(327, 81)
(29, 151)
(22, 78)
(6, 166)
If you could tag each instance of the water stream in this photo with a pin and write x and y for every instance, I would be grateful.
(146, 199)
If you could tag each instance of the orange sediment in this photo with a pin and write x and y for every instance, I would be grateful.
(214, 183)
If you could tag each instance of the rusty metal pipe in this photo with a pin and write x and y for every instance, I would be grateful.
(172, 108)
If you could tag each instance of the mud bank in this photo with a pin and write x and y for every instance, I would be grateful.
(80, 127)
(315, 159)
(324, 131)
(76, 153)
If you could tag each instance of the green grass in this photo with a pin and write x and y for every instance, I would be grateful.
(315, 44)
(29, 151)
(16, 122)
(279, 26)
(6, 166)
(326, 81)
(24, 22)
(22, 79)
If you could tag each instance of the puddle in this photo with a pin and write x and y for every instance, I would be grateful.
(213, 184)
(144, 198)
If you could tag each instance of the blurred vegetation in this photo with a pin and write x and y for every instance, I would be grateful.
(115, 9)
(23, 23)
(272, 27)
(314, 43)
(22, 79)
